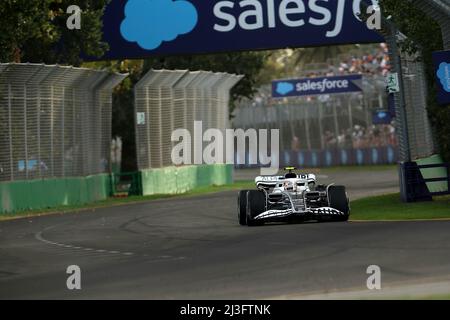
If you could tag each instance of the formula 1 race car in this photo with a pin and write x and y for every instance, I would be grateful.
(293, 197)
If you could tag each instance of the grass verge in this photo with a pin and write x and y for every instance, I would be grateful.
(111, 202)
(390, 207)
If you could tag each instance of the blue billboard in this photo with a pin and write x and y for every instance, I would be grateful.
(381, 117)
(140, 28)
(441, 61)
(316, 86)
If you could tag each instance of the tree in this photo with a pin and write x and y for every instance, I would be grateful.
(424, 36)
(36, 31)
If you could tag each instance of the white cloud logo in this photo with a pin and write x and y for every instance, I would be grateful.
(151, 22)
(444, 75)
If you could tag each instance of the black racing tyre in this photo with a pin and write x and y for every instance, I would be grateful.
(242, 207)
(256, 204)
(337, 196)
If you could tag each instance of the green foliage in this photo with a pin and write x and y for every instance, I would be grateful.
(424, 36)
(36, 31)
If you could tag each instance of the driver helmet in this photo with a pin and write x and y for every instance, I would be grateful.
(289, 186)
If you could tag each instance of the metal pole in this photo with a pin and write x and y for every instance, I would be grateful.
(25, 124)
(366, 111)
(350, 113)
(39, 131)
(10, 132)
(160, 165)
(147, 125)
(322, 142)
(402, 121)
(391, 33)
(380, 101)
(308, 137)
(335, 119)
(63, 131)
(51, 130)
(75, 161)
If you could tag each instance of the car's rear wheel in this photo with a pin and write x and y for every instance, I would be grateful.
(337, 196)
(256, 204)
(242, 207)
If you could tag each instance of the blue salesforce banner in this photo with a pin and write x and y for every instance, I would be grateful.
(316, 86)
(140, 28)
(441, 61)
(381, 117)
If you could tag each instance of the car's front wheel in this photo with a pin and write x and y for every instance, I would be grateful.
(242, 207)
(256, 204)
(337, 196)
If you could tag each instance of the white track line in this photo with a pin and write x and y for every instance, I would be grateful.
(40, 238)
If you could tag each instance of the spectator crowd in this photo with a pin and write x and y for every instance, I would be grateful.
(361, 137)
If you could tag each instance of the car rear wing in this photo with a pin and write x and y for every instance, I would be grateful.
(272, 181)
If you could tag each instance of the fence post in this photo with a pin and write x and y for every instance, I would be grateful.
(52, 158)
(39, 130)
(63, 130)
(25, 123)
(11, 156)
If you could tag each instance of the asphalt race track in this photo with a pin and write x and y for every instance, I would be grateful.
(193, 248)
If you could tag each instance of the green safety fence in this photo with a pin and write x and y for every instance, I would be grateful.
(48, 193)
(176, 180)
(126, 184)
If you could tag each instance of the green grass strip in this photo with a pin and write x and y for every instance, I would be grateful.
(390, 207)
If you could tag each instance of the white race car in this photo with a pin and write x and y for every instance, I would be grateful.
(293, 197)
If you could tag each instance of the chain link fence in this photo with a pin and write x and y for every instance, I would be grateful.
(168, 100)
(54, 121)
(321, 122)
(421, 144)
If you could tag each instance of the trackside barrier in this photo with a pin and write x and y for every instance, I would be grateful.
(55, 121)
(126, 184)
(332, 157)
(39, 194)
(16, 196)
(55, 135)
(418, 186)
(177, 180)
